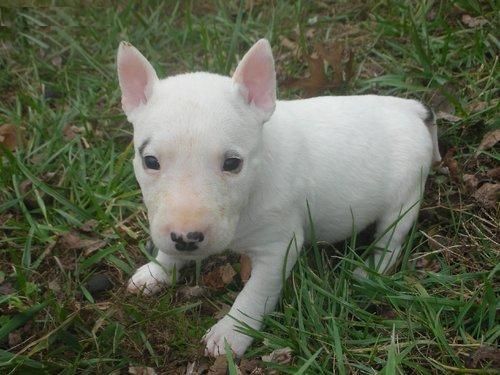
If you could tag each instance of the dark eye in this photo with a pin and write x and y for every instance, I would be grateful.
(151, 162)
(232, 165)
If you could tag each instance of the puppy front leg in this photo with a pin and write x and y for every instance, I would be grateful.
(151, 277)
(258, 297)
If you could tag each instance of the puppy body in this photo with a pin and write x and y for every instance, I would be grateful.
(347, 161)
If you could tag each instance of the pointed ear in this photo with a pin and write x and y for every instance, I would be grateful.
(136, 76)
(256, 77)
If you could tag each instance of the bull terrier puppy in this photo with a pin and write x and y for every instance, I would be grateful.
(222, 164)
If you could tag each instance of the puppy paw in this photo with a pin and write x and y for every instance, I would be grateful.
(225, 329)
(148, 279)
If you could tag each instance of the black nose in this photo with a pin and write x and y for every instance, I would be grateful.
(190, 243)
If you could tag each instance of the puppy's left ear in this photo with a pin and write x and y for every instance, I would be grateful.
(136, 76)
(256, 78)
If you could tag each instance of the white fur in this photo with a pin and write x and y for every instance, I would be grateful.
(355, 160)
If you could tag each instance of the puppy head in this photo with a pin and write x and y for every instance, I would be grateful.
(198, 140)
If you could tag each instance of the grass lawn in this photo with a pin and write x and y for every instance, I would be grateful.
(72, 221)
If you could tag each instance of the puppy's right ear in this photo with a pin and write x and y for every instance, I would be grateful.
(255, 78)
(136, 76)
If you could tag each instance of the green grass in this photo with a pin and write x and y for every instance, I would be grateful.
(57, 69)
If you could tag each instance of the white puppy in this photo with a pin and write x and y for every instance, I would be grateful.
(223, 164)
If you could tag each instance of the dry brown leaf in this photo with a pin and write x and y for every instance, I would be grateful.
(251, 367)
(476, 106)
(219, 277)
(8, 136)
(89, 225)
(245, 268)
(470, 181)
(386, 312)
(440, 103)
(141, 370)
(473, 22)
(289, 44)
(490, 139)
(57, 61)
(494, 173)
(14, 338)
(72, 241)
(71, 131)
(318, 81)
(427, 264)
(24, 186)
(485, 354)
(334, 55)
(488, 195)
(198, 367)
(54, 286)
(452, 165)
(227, 273)
(282, 356)
(219, 367)
(189, 292)
(7, 288)
(447, 116)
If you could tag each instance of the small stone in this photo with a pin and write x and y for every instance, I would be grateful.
(98, 283)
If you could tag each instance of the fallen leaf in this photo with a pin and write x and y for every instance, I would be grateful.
(289, 44)
(494, 173)
(386, 312)
(219, 277)
(141, 370)
(450, 163)
(89, 226)
(334, 55)
(317, 80)
(488, 195)
(440, 102)
(54, 286)
(8, 136)
(490, 139)
(24, 186)
(440, 115)
(282, 356)
(72, 241)
(71, 131)
(198, 367)
(476, 106)
(473, 22)
(189, 292)
(7, 288)
(57, 61)
(245, 268)
(227, 273)
(251, 367)
(341, 62)
(471, 182)
(14, 338)
(219, 367)
(484, 355)
(427, 264)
